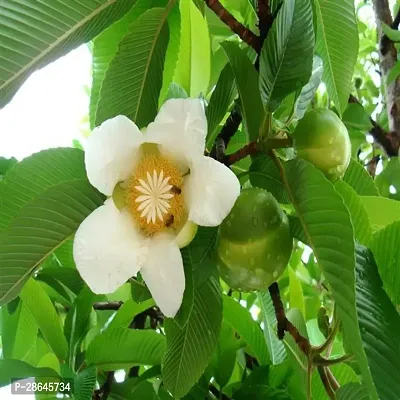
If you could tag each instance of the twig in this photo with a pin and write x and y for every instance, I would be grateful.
(326, 383)
(318, 360)
(225, 16)
(104, 391)
(389, 141)
(249, 149)
(332, 380)
(284, 324)
(107, 305)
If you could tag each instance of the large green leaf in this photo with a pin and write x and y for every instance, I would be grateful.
(287, 53)
(379, 325)
(356, 117)
(84, 384)
(337, 45)
(359, 217)
(18, 331)
(193, 66)
(390, 176)
(39, 304)
(190, 349)
(77, 321)
(352, 391)
(381, 211)
(221, 99)
(120, 348)
(6, 164)
(133, 80)
(309, 90)
(329, 231)
(35, 33)
(265, 175)
(241, 321)
(105, 47)
(385, 247)
(246, 79)
(276, 348)
(11, 369)
(360, 180)
(44, 198)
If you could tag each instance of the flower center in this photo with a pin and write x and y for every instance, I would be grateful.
(154, 195)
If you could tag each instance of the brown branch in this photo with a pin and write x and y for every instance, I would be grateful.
(325, 381)
(332, 380)
(225, 16)
(389, 141)
(284, 325)
(107, 305)
(104, 391)
(265, 18)
(245, 151)
(388, 59)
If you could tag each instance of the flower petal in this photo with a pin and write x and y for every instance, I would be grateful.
(107, 249)
(180, 129)
(163, 274)
(110, 153)
(211, 190)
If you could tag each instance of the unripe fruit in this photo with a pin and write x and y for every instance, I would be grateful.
(254, 242)
(322, 139)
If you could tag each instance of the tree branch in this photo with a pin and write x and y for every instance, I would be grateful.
(325, 381)
(104, 391)
(389, 141)
(225, 16)
(388, 58)
(284, 324)
(107, 305)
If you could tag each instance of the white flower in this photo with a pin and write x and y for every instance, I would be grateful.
(161, 185)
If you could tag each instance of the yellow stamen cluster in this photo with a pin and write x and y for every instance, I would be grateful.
(154, 195)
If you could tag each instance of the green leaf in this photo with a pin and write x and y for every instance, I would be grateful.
(379, 325)
(221, 99)
(328, 228)
(390, 176)
(352, 391)
(287, 53)
(50, 188)
(124, 316)
(394, 73)
(360, 180)
(359, 217)
(296, 296)
(171, 56)
(193, 66)
(337, 25)
(276, 348)
(176, 91)
(392, 34)
(66, 277)
(225, 355)
(190, 349)
(381, 211)
(19, 331)
(34, 34)
(385, 246)
(246, 79)
(241, 321)
(133, 80)
(77, 322)
(5, 165)
(121, 348)
(309, 90)
(105, 47)
(11, 369)
(356, 117)
(39, 304)
(265, 175)
(85, 383)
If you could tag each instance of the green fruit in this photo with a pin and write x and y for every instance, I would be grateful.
(322, 139)
(254, 242)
